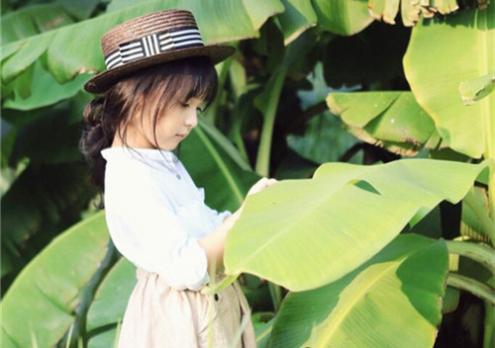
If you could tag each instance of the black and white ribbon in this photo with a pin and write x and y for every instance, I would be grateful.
(153, 44)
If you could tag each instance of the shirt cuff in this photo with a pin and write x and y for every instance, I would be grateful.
(191, 266)
(222, 216)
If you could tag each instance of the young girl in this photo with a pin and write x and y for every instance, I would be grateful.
(159, 75)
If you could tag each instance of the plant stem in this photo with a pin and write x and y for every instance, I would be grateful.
(276, 295)
(268, 103)
(472, 286)
(475, 251)
(489, 329)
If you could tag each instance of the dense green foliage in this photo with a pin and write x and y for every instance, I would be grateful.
(381, 232)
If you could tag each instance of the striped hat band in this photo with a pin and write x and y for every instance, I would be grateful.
(152, 44)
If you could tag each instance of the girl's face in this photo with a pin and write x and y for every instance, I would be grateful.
(176, 123)
(172, 127)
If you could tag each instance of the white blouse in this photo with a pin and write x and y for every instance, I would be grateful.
(155, 218)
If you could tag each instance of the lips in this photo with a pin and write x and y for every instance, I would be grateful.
(181, 135)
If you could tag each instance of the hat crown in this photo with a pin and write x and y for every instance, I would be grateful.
(143, 31)
(144, 25)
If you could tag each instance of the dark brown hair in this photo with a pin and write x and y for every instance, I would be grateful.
(149, 89)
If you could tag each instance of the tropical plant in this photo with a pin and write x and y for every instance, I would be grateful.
(381, 231)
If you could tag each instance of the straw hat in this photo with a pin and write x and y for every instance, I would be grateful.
(153, 38)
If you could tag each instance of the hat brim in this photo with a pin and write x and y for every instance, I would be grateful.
(102, 81)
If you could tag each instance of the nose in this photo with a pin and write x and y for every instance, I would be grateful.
(192, 119)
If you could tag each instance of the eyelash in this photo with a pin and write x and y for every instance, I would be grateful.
(187, 105)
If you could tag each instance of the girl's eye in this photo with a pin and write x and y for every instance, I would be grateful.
(186, 105)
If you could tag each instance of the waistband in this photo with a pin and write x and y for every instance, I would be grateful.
(141, 274)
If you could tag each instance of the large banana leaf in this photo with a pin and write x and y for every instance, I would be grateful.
(343, 17)
(393, 300)
(80, 9)
(32, 20)
(41, 304)
(391, 119)
(334, 226)
(75, 49)
(424, 182)
(436, 70)
(44, 91)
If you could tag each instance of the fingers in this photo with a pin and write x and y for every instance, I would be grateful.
(262, 184)
(269, 181)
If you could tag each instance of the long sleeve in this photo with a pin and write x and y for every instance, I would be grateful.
(216, 216)
(146, 231)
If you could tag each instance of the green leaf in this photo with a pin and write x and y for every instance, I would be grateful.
(411, 11)
(450, 300)
(314, 220)
(276, 222)
(398, 290)
(298, 16)
(32, 20)
(80, 9)
(343, 17)
(425, 182)
(473, 90)
(391, 119)
(435, 77)
(476, 222)
(324, 140)
(262, 329)
(385, 10)
(45, 90)
(45, 296)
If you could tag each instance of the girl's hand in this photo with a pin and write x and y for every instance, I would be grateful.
(261, 184)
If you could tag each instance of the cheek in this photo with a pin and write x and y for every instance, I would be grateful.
(165, 127)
